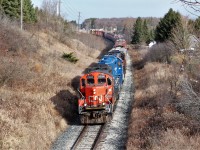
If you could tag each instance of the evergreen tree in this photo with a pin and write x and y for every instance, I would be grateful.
(151, 35)
(145, 32)
(166, 25)
(29, 11)
(197, 26)
(137, 37)
(92, 23)
(11, 8)
(194, 26)
(1, 1)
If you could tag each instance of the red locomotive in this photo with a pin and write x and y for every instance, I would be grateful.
(97, 97)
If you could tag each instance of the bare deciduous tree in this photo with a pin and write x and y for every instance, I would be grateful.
(128, 28)
(190, 101)
(189, 5)
(49, 6)
(181, 36)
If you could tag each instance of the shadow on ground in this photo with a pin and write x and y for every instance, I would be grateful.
(66, 104)
(138, 64)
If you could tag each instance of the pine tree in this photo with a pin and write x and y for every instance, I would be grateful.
(151, 35)
(137, 37)
(29, 11)
(92, 26)
(11, 8)
(166, 25)
(1, 1)
(197, 26)
(145, 32)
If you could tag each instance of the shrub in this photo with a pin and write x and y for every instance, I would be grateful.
(160, 52)
(14, 39)
(69, 57)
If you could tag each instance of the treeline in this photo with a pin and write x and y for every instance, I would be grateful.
(34, 17)
(144, 33)
(35, 20)
(141, 32)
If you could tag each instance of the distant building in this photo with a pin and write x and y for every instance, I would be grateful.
(194, 42)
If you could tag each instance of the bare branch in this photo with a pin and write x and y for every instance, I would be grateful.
(190, 4)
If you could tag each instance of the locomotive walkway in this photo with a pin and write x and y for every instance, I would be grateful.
(114, 134)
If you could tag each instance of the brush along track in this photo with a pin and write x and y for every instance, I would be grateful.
(88, 137)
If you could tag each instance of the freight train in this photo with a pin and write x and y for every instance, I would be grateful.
(100, 87)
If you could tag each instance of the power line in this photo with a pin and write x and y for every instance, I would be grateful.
(70, 11)
(82, 16)
(70, 5)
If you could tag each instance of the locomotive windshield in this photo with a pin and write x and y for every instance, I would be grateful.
(83, 82)
(101, 79)
(109, 81)
(90, 79)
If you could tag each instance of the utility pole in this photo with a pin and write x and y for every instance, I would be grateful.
(21, 18)
(58, 7)
(79, 16)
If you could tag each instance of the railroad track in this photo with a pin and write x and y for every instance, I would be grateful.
(88, 138)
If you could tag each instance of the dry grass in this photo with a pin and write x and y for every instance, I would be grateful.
(37, 96)
(156, 123)
(13, 39)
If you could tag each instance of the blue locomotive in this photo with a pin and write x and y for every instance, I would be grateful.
(116, 65)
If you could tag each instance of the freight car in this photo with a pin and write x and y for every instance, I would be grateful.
(120, 43)
(110, 36)
(97, 32)
(107, 35)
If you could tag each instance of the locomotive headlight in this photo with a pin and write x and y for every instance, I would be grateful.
(94, 91)
(103, 104)
(85, 104)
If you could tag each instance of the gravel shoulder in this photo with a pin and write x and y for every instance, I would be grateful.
(116, 130)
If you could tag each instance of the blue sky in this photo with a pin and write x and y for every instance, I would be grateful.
(116, 8)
